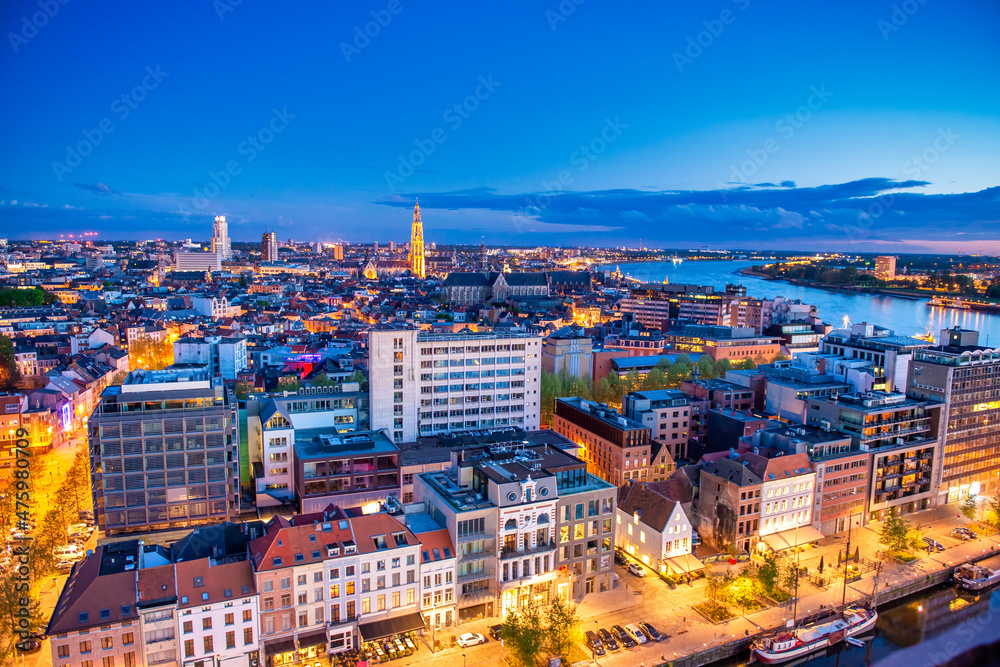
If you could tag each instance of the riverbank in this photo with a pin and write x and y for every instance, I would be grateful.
(912, 295)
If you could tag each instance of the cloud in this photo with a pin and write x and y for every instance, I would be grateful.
(99, 188)
(841, 215)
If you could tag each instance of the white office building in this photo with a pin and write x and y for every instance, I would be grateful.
(424, 383)
(220, 237)
(197, 261)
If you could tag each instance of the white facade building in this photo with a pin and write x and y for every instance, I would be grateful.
(197, 261)
(786, 494)
(217, 619)
(426, 383)
(220, 238)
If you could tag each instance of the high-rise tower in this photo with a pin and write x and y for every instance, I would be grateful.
(416, 258)
(220, 238)
(269, 247)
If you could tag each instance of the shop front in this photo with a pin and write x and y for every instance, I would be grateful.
(391, 638)
(312, 649)
(279, 652)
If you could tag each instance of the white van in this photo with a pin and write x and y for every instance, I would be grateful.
(68, 552)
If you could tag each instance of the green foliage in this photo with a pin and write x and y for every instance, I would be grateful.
(242, 389)
(289, 383)
(895, 534)
(10, 374)
(969, 509)
(562, 627)
(524, 635)
(25, 298)
(323, 380)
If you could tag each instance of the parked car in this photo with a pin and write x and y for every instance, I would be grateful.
(471, 639)
(495, 631)
(651, 632)
(623, 637)
(933, 545)
(620, 558)
(65, 565)
(695, 538)
(594, 643)
(636, 634)
(963, 533)
(608, 640)
(636, 569)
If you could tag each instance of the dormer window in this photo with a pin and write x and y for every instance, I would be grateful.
(199, 582)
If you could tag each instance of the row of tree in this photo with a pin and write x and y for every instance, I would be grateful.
(612, 388)
(25, 298)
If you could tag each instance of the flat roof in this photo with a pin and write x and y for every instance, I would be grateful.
(323, 443)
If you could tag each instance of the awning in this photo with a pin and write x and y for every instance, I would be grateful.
(684, 563)
(391, 626)
(282, 646)
(795, 537)
(314, 639)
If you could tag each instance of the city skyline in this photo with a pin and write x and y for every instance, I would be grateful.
(561, 124)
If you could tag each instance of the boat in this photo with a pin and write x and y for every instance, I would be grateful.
(854, 641)
(975, 577)
(828, 631)
(815, 636)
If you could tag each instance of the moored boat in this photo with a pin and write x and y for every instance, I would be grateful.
(976, 577)
(815, 636)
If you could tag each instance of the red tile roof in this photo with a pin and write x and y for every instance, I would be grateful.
(199, 582)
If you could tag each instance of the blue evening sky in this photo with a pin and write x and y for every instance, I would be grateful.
(853, 124)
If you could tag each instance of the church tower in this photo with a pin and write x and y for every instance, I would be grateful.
(484, 265)
(416, 257)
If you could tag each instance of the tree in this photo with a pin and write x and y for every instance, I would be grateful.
(654, 380)
(323, 380)
(289, 383)
(242, 389)
(10, 374)
(524, 635)
(992, 512)
(563, 627)
(707, 368)
(150, 354)
(894, 533)
(768, 572)
(603, 393)
(969, 508)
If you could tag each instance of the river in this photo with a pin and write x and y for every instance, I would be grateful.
(904, 316)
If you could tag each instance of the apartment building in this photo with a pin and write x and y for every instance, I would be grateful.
(224, 356)
(438, 562)
(665, 413)
(885, 267)
(655, 529)
(294, 578)
(965, 377)
(273, 423)
(163, 452)
(347, 469)
(888, 354)
(424, 383)
(197, 261)
(217, 613)
(722, 342)
(841, 472)
(713, 394)
(615, 448)
(527, 520)
(156, 601)
(729, 505)
(900, 436)
(788, 484)
(95, 622)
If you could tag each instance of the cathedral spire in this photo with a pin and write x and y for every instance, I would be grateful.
(416, 258)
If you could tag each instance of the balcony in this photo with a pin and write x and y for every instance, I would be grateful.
(470, 537)
(342, 621)
(488, 573)
(155, 643)
(529, 579)
(507, 554)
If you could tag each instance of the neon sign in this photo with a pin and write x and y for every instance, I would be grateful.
(980, 407)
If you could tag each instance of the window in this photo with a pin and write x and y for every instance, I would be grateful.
(248, 635)
(230, 639)
(108, 661)
(229, 619)
(84, 647)
(206, 623)
(62, 651)
(209, 644)
(247, 615)
(127, 639)
(107, 642)
(188, 648)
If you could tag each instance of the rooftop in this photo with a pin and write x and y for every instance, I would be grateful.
(321, 443)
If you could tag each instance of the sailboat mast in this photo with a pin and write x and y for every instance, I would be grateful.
(847, 555)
